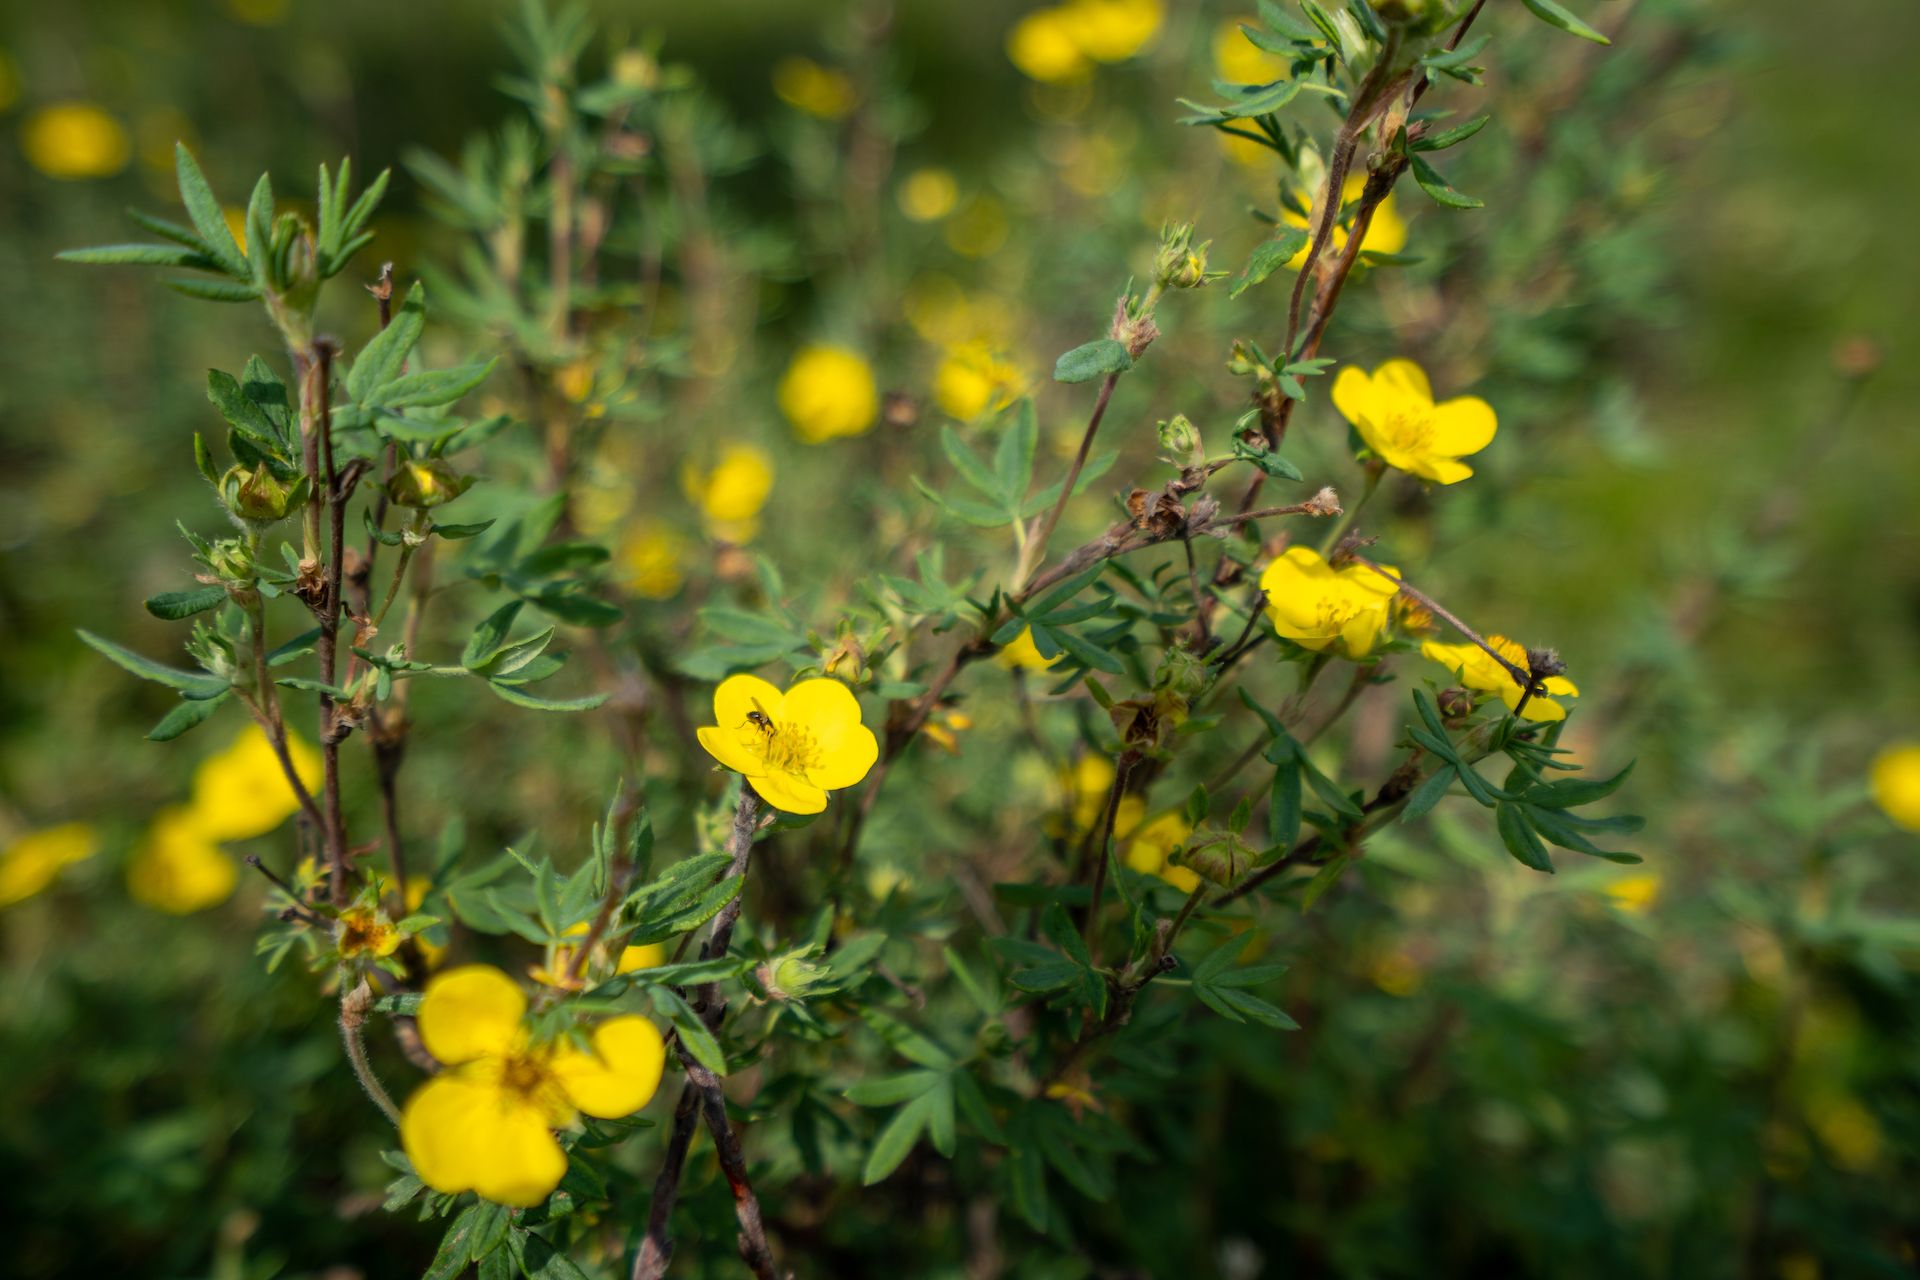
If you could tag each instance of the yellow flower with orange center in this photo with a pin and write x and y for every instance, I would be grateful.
(1316, 606)
(365, 931)
(791, 747)
(1394, 412)
(486, 1123)
(1478, 672)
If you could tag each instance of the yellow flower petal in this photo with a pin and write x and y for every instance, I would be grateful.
(462, 1135)
(648, 955)
(828, 710)
(1353, 395)
(1463, 425)
(1405, 379)
(727, 746)
(30, 863)
(788, 793)
(1439, 470)
(177, 869)
(1895, 782)
(471, 1012)
(738, 697)
(829, 391)
(621, 1074)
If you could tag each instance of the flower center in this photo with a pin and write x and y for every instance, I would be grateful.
(1331, 614)
(789, 748)
(1408, 430)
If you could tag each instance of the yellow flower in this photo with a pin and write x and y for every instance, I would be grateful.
(649, 955)
(649, 560)
(1154, 843)
(1386, 233)
(1238, 60)
(1896, 783)
(1315, 605)
(973, 378)
(730, 496)
(1041, 44)
(1477, 672)
(486, 1123)
(829, 391)
(30, 863)
(1022, 654)
(575, 381)
(178, 868)
(1634, 894)
(944, 728)
(928, 194)
(816, 90)
(1088, 784)
(71, 140)
(364, 931)
(1394, 412)
(792, 747)
(1111, 30)
(431, 953)
(979, 229)
(242, 792)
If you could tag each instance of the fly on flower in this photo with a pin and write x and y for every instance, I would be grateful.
(791, 747)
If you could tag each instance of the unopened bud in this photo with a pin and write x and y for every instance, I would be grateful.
(256, 495)
(1218, 856)
(1180, 263)
(421, 485)
(1180, 442)
(1455, 703)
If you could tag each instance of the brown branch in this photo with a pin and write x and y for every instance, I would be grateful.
(331, 725)
(1122, 770)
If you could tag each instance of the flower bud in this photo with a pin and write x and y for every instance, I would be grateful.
(793, 975)
(1219, 856)
(256, 495)
(1455, 703)
(230, 560)
(1180, 264)
(421, 485)
(1182, 674)
(1180, 442)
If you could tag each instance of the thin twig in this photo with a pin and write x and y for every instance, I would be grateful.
(353, 1016)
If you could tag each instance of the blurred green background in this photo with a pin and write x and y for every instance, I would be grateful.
(1690, 297)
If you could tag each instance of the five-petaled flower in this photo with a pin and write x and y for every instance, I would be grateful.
(1479, 673)
(1394, 412)
(792, 747)
(486, 1123)
(1315, 605)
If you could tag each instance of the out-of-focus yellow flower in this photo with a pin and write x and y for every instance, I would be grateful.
(1477, 672)
(1315, 605)
(236, 220)
(73, 140)
(178, 868)
(829, 391)
(731, 494)
(1847, 1130)
(974, 378)
(819, 91)
(575, 380)
(1397, 973)
(1088, 784)
(1387, 233)
(979, 228)
(1635, 894)
(259, 13)
(31, 863)
(1154, 843)
(650, 558)
(1041, 44)
(1240, 61)
(1896, 783)
(648, 955)
(928, 194)
(1112, 30)
(791, 747)
(1394, 412)
(944, 727)
(242, 792)
(486, 1123)
(431, 953)
(1022, 654)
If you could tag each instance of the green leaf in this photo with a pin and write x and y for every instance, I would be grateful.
(1453, 136)
(140, 255)
(194, 684)
(1013, 459)
(1556, 16)
(203, 208)
(175, 605)
(1440, 189)
(1569, 793)
(1284, 808)
(893, 1090)
(896, 1139)
(1323, 880)
(490, 636)
(967, 463)
(215, 290)
(1269, 257)
(521, 698)
(189, 714)
(385, 354)
(1269, 462)
(1428, 794)
(1092, 360)
(456, 1246)
(1520, 839)
(432, 386)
